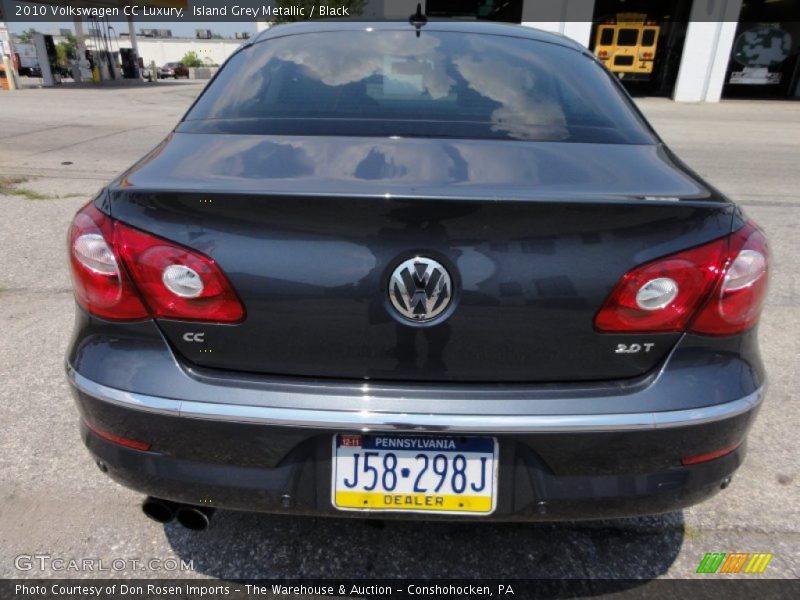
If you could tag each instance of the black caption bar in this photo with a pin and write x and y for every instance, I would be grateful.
(132, 589)
(179, 11)
(209, 11)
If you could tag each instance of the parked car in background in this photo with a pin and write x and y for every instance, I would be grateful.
(173, 69)
(62, 71)
(440, 271)
(28, 61)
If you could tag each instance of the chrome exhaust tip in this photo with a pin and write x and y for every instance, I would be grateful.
(160, 511)
(195, 518)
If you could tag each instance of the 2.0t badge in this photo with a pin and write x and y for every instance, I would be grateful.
(420, 289)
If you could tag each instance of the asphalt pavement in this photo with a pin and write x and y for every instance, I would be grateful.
(59, 146)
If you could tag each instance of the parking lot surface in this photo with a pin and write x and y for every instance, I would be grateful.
(58, 146)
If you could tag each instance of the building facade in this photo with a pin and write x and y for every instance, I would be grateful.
(702, 50)
(163, 50)
(688, 50)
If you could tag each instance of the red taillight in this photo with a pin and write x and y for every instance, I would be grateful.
(176, 282)
(724, 280)
(663, 295)
(102, 287)
(121, 273)
(736, 302)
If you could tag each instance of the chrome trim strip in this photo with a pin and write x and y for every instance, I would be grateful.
(380, 421)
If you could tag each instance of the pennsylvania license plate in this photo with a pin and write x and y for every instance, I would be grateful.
(454, 475)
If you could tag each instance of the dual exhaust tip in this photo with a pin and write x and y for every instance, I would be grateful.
(195, 518)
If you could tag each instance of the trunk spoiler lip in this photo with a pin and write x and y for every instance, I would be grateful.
(155, 174)
(715, 202)
(374, 421)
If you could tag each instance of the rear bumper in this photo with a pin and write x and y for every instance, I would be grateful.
(367, 420)
(278, 458)
(263, 443)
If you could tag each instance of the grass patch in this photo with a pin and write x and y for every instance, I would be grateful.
(28, 194)
(8, 188)
(9, 181)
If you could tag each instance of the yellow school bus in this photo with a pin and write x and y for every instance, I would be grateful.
(627, 45)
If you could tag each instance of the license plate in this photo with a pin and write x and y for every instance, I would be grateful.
(454, 475)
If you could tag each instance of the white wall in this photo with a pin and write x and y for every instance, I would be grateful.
(170, 50)
(707, 50)
(572, 18)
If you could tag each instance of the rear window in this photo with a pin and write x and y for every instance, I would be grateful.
(606, 36)
(440, 84)
(627, 37)
(648, 37)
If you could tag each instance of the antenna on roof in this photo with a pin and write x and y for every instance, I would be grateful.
(418, 20)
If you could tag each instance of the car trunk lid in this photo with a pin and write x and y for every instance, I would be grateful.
(309, 229)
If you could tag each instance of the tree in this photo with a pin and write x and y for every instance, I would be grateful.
(26, 37)
(354, 9)
(67, 50)
(190, 59)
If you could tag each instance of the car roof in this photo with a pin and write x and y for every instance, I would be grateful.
(440, 25)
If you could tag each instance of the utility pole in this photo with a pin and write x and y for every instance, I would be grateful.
(82, 69)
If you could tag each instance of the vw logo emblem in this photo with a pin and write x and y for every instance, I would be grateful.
(420, 289)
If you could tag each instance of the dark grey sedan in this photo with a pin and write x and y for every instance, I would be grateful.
(427, 270)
